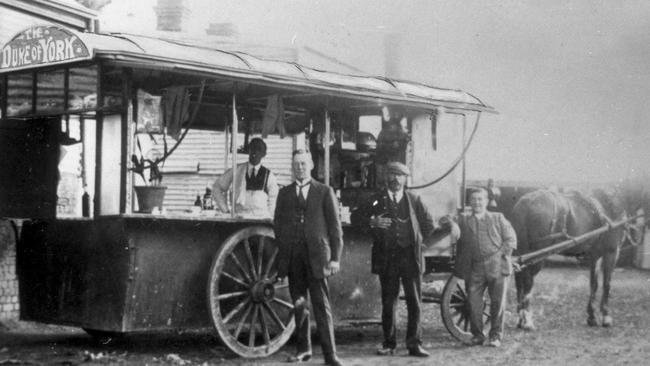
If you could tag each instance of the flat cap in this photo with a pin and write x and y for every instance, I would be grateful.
(397, 168)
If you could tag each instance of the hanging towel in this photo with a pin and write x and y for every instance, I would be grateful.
(273, 116)
(176, 103)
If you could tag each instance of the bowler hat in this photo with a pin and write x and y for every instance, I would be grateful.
(397, 168)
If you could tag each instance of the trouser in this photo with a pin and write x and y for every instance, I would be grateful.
(402, 267)
(487, 275)
(301, 280)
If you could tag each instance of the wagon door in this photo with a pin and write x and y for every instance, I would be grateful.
(29, 154)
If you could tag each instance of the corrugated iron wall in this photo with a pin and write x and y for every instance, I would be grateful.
(199, 160)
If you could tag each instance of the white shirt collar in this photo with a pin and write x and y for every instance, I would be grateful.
(397, 196)
(305, 181)
(480, 216)
(251, 167)
(303, 186)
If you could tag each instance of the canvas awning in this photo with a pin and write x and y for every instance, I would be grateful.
(47, 45)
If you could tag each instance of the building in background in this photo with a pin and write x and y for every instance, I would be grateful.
(174, 20)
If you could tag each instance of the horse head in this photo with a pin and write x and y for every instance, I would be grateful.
(636, 195)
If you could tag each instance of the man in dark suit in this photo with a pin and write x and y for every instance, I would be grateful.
(399, 222)
(308, 230)
(483, 260)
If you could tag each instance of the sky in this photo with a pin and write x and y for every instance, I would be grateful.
(570, 79)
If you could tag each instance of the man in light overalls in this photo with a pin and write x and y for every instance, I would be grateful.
(257, 188)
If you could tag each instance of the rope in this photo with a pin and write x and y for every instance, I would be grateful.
(453, 166)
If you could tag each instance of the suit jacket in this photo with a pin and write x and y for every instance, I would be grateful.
(322, 228)
(422, 225)
(501, 234)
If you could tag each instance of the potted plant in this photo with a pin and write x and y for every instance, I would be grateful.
(151, 194)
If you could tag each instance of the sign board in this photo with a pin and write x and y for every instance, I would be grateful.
(42, 45)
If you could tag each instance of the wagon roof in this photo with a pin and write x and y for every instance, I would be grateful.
(143, 51)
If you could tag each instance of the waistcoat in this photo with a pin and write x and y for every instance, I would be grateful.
(258, 182)
(482, 247)
(401, 232)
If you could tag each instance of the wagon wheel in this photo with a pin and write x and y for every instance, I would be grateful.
(252, 312)
(454, 309)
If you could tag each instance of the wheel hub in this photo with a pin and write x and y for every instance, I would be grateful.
(262, 291)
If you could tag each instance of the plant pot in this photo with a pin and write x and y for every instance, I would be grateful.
(150, 197)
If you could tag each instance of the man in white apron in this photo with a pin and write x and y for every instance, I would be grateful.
(257, 188)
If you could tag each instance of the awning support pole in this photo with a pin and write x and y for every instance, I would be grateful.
(235, 127)
(463, 182)
(326, 148)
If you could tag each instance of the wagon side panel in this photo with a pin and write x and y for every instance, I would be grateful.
(70, 273)
(170, 264)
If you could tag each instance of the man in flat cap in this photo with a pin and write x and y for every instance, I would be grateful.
(399, 223)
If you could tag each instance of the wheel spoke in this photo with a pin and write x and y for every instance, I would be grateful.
(273, 275)
(461, 290)
(260, 255)
(236, 279)
(274, 315)
(283, 303)
(234, 311)
(456, 305)
(265, 329)
(249, 256)
(455, 299)
(240, 267)
(269, 265)
(466, 323)
(252, 333)
(281, 286)
(460, 321)
(240, 326)
(230, 295)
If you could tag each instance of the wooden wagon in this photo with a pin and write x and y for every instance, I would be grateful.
(88, 254)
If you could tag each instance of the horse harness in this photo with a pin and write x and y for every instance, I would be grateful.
(563, 213)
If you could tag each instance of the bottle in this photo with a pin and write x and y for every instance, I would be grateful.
(207, 200)
(85, 204)
(198, 205)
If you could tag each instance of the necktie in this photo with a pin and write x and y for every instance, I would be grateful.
(301, 195)
(252, 172)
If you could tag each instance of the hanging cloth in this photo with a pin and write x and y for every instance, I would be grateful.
(273, 116)
(176, 103)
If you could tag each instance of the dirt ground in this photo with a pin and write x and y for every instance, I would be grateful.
(559, 304)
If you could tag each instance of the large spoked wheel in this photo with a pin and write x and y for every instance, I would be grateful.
(252, 312)
(454, 309)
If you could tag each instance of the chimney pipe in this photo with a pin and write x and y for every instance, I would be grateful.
(392, 54)
(171, 15)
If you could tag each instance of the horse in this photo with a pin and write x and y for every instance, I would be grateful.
(542, 218)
